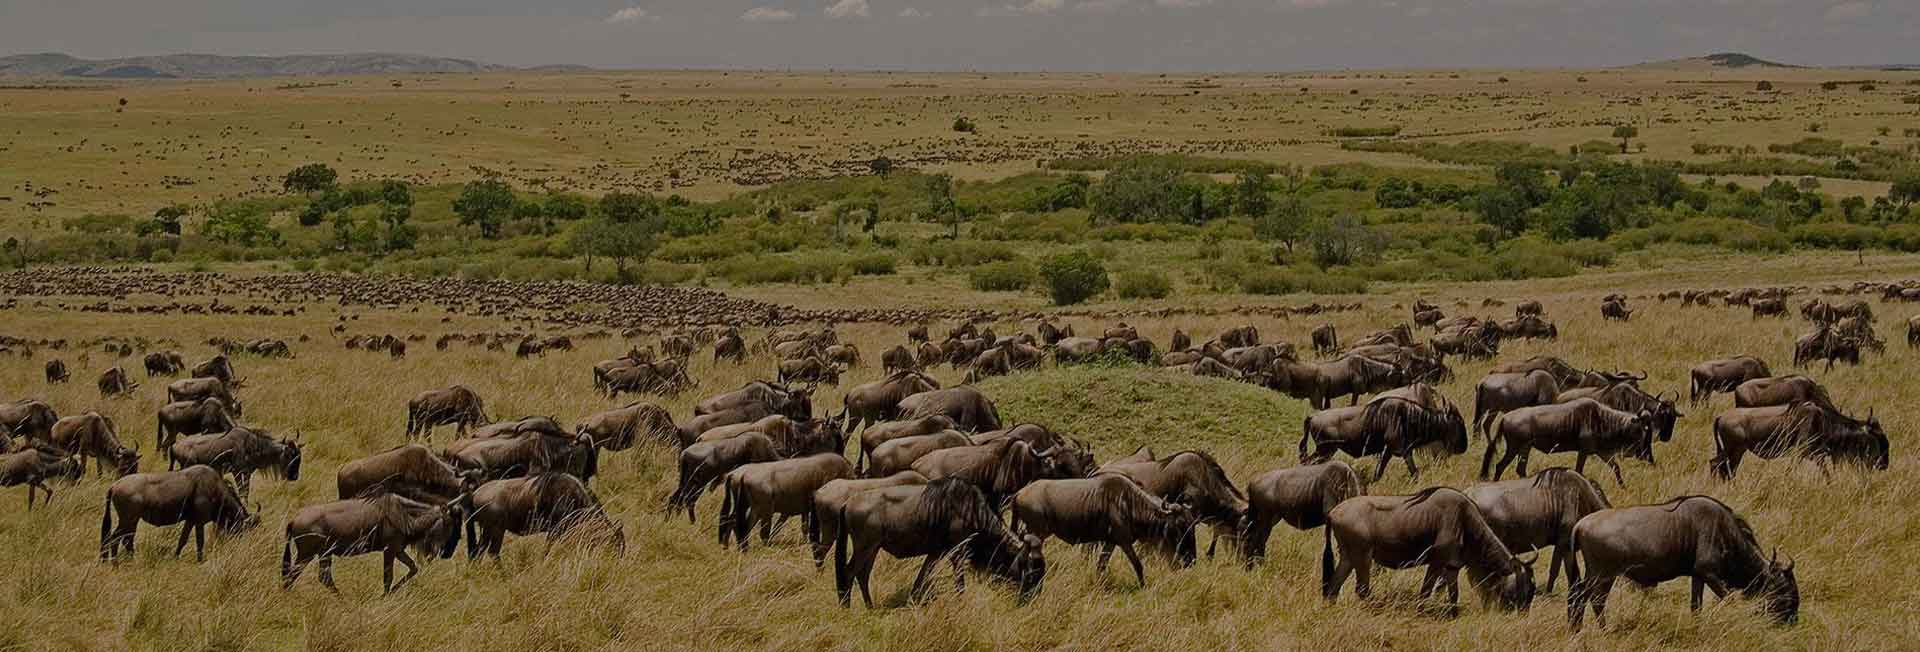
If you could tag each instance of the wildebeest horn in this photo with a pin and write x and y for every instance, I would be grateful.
(1529, 559)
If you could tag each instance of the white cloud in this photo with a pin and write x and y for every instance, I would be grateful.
(849, 9)
(1849, 11)
(629, 15)
(767, 15)
(912, 12)
(1031, 7)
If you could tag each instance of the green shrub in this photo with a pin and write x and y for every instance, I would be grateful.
(1836, 235)
(1281, 280)
(961, 253)
(1902, 237)
(1588, 253)
(1073, 277)
(1142, 284)
(1383, 131)
(1005, 276)
(874, 264)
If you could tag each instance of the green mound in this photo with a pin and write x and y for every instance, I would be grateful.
(1117, 409)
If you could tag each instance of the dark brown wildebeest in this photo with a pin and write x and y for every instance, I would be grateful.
(1192, 478)
(1529, 308)
(1780, 390)
(678, 346)
(1421, 304)
(189, 418)
(899, 358)
(811, 369)
(704, 464)
(1239, 336)
(164, 363)
(1125, 331)
(797, 349)
(1499, 393)
(620, 428)
(663, 378)
(1583, 426)
(1913, 331)
(883, 432)
(1717, 376)
(847, 356)
(1539, 512)
(1439, 528)
(1257, 358)
(396, 348)
(969, 409)
(1301, 496)
(114, 382)
(216, 367)
(1628, 397)
(1692, 536)
(1475, 341)
(1567, 375)
(941, 518)
(990, 363)
(1400, 334)
(411, 470)
(93, 435)
(1075, 350)
(191, 497)
(1809, 428)
(1394, 423)
(530, 453)
(830, 497)
(1427, 318)
(32, 466)
(1180, 341)
(1003, 467)
(1049, 333)
(772, 399)
(1768, 308)
(1615, 311)
(388, 524)
(543, 425)
(880, 400)
(1326, 340)
(28, 418)
(458, 405)
(240, 451)
(1827, 344)
(1109, 509)
(730, 347)
(756, 493)
(1530, 327)
(1321, 382)
(634, 356)
(57, 371)
(553, 504)
(194, 389)
(899, 454)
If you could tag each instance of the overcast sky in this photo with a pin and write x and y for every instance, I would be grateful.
(994, 35)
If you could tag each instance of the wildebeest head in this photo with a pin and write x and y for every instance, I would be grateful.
(1030, 567)
(1642, 427)
(287, 456)
(1514, 590)
(127, 460)
(1071, 460)
(1778, 590)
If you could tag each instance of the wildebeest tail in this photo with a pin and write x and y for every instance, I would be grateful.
(1306, 431)
(1480, 410)
(726, 510)
(106, 524)
(286, 558)
(840, 580)
(1327, 587)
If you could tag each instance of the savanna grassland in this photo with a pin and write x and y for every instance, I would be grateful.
(674, 588)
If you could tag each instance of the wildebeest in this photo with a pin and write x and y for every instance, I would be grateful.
(1627, 397)
(114, 382)
(29, 418)
(94, 436)
(194, 389)
(388, 524)
(1529, 308)
(240, 451)
(1192, 478)
(57, 371)
(543, 425)
(880, 400)
(829, 498)
(1439, 528)
(1300, 496)
(1768, 308)
(969, 409)
(164, 363)
(216, 367)
(881, 433)
(633, 356)
(1326, 340)
(1394, 423)
(1002, 467)
(704, 464)
(1692, 536)
(189, 418)
(1321, 382)
(1615, 311)
(458, 405)
(1499, 393)
(899, 454)
(620, 428)
(554, 504)
(664, 378)
(191, 497)
(1716, 376)
(898, 358)
(1109, 509)
(1811, 429)
(529, 453)
(1779, 390)
(32, 466)
(757, 493)
(773, 399)
(1583, 426)
(730, 347)
(1539, 512)
(411, 470)
(1826, 344)
(944, 517)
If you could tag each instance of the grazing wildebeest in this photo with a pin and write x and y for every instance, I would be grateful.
(1529, 308)
(553, 504)
(1692, 536)
(1913, 331)
(1049, 334)
(92, 435)
(620, 428)
(1627, 397)
(664, 378)
(56, 371)
(1394, 423)
(1615, 311)
(29, 418)
(934, 520)
(1779, 390)
(1003, 467)
(1768, 308)
(191, 497)
(1109, 509)
(1583, 426)
(704, 464)
(730, 347)
(216, 367)
(1826, 344)
(114, 382)
(1499, 393)
(772, 399)
(523, 425)
(1539, 512)
(194, 389)
(530, 453)
(1811, 429)
(1718, 376)
(33, 466)
(879, 401)
(1326, 341)
(883, 432)
(1321, 382)
(411, 470)
(969, 409)
(240, 451)
(387, 524)
(899, 454)
(830, 497)
(189, 418)
(756, 493)
(1301, 496)
(898, 358)
(1192, 478)
(164, 363)
(458, 405)
(1439, 528)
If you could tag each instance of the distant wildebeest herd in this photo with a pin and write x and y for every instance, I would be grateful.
(938, 475)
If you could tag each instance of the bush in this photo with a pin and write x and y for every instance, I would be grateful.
(1142, 284)
(1588, 253)
(1385, 131)
(962, 253)
(1006, 276)
(1836, 235)
(1276, 281)
(874, 264)
(1073, 277)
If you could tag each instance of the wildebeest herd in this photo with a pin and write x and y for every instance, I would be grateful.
(938, 475)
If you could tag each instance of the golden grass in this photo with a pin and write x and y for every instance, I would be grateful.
(676, 589)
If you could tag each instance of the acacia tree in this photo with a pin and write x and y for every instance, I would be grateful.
(941, 205)
(1250, 193)
(310, 178)
(1625, 133)
(485, 203)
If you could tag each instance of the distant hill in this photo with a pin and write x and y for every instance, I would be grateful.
(213, 66)
(1721, 60)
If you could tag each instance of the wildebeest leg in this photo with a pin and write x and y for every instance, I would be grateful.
(199, 543)
(1616, 470)
(1134, 558)
(1699, 587)
(1601, 588)
(1452, 578)
(1553, 566)
(473, 540)
(1380, 471)
(1426, 583)
(496, 538)
(918, 591)
(1253, 542)
(862, 568)
(1718, 587)
(1412, 471)
(412, 569)
(1521, 469)
(1362, 576)
(326, 573)
(1513, 453)
(185, 530)
(1100, 563)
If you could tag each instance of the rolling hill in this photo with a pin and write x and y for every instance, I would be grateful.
(213, 66)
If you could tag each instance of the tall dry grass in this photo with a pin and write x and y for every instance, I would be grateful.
(1854, 533)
